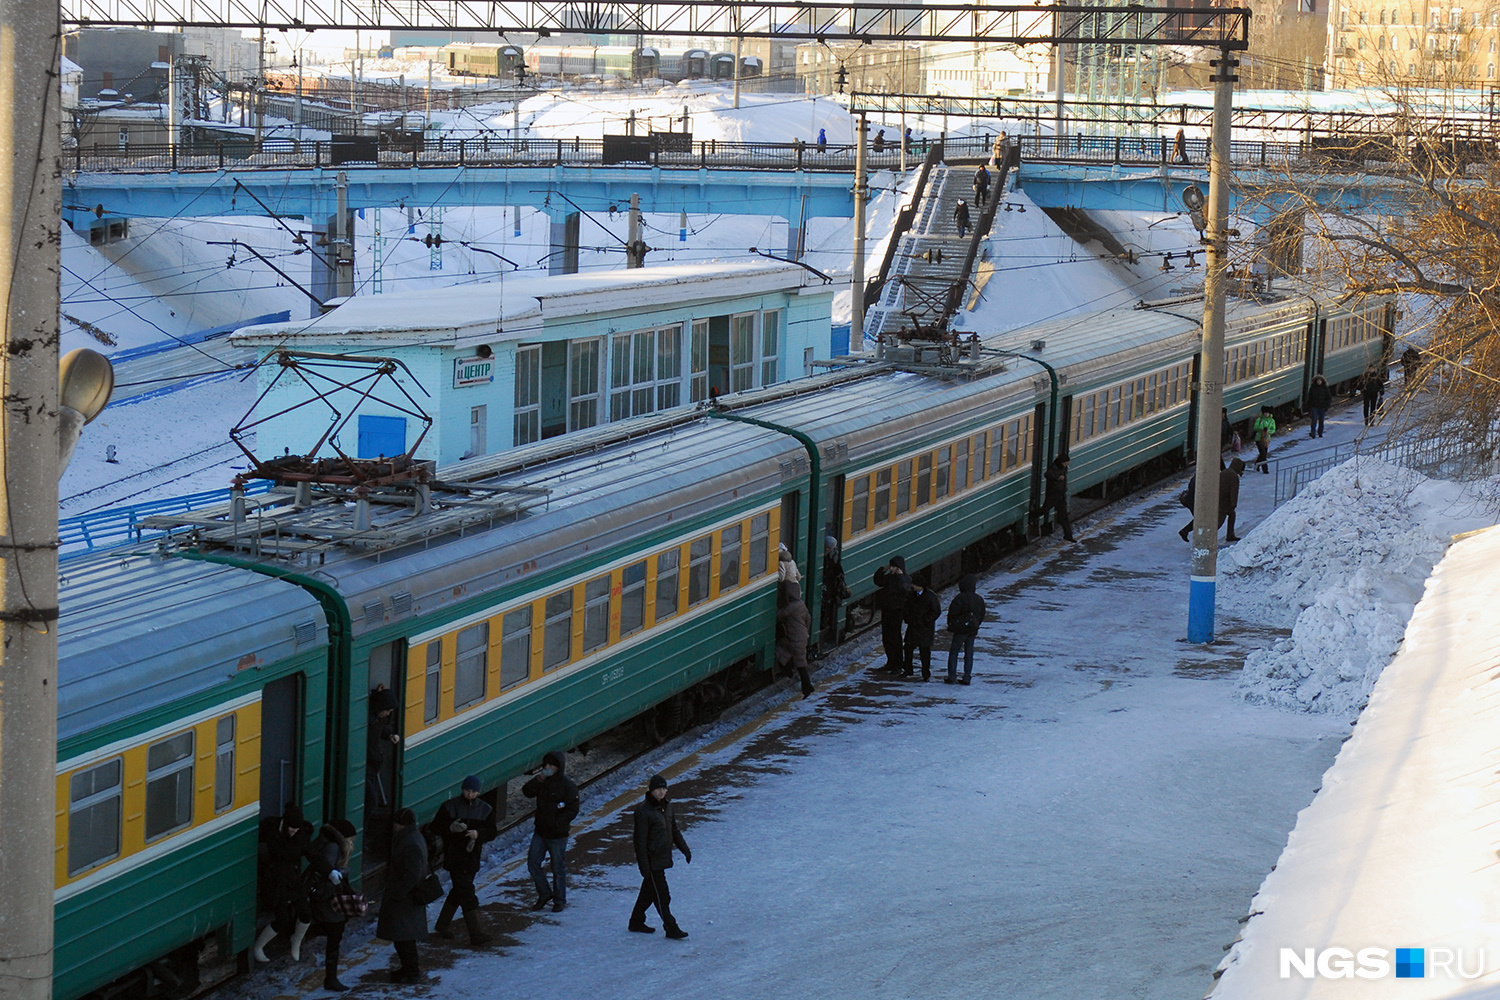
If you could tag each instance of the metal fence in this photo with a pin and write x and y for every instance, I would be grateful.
(119, 525)
(1445, 457)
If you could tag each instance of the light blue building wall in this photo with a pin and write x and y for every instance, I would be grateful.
(510, 362)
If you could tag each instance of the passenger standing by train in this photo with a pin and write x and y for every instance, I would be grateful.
(403, 921)
(556, 807)
(283, 842)
(1229, 495)
(890, 601)
(1057, 494)
(1319, 399)
(466, 824)
(965, 615)
(923, 609)
(835, 587)
(1263, 428)
(786, 566)
(793, 631)
(380, 737)
(655, 834)
(327, 880)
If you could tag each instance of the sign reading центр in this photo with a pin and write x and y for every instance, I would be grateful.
(473, 371)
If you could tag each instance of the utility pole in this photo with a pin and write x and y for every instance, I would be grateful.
(1059, 68)
(739, 42)
(343, 241)
(173, 82)
(635, 250)
(1202, 587)
(861, 193)
(30, 213)
(260, 83)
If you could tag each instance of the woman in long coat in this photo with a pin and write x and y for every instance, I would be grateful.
(403, 921)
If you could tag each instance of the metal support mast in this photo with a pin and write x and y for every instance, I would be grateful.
(30, 214)
(857, 279)
(1203, 584)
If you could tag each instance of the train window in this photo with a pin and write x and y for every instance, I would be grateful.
(432, 690)
(1013, 444)
(700, 559)
(1138, 408)
(94, 807)
(698, 376)
(882, 496)
(1024, 433)
(979, 455)
(632, 599)
(729, 558)
(760, 545)
(997, 451)
(224, 764)
(515, 647)
(943, 470)
(860, 506)
(666, 583)
(557, 630)
(903, 487)
(924, 480)
(596, 613)
(1116, 416)
(472, 665)
(961, 466)
(169, 785)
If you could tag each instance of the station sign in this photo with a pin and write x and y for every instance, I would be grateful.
(473, 371)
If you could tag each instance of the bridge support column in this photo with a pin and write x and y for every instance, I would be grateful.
(564, 256)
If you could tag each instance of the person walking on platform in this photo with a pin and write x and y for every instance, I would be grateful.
(403, 920)
(655, 835)
(327, 879)
(283, 844)
(1371, 390)
(961, 218)
(906, 140)
(1263, 429)
(1229, 495)
(1319, 399)
(793, 630)
(965, 615)
(466, 824)
(1056, 499)
(822, 140)
(1179, 148)
(890, 601)
(1411, 364)
(923, 609)
(556, 808)
(878, 144)
(981, 186)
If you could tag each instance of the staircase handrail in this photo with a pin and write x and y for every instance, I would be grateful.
(904, 219)
(981, 229)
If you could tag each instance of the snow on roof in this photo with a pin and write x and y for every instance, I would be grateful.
(69, 66)
(1398, 848)
(517, 305)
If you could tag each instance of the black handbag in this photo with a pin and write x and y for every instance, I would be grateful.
(429, 890)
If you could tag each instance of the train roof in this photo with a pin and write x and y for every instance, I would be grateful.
(139, 631)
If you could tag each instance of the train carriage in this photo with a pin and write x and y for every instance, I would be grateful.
(191, 701)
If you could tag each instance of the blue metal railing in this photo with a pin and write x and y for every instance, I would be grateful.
(1454, 457)
(120, 525)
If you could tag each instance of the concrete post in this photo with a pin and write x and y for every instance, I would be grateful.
(30, 214)
(343, 240)
(857, 279)
(634, 249)
(738, 44)
(1203, 584)
(260, 85)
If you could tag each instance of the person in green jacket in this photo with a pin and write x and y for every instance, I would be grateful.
(1263, 428)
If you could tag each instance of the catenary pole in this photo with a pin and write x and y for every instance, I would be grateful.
(1203, 584)
(30, 210)
(857, 289)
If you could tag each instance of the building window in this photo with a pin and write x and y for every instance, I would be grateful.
(472, 665)
(583, 384)
(94, 801)
(224, 764)
(515, 647)
(698, 375)
(433, 689)
(770, 347)
(743, 355)
(668, 367)
(1364, 17)
(528, 423)
(169, 786)
(645, 372)
(124, 138)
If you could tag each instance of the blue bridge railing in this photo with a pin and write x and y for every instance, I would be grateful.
(121, 525)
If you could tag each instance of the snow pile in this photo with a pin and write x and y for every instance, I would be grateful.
(1343, 564)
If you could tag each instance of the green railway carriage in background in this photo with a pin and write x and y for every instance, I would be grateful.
(190, 701)
(533, 600)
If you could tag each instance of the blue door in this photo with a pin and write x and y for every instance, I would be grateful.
(381, 436)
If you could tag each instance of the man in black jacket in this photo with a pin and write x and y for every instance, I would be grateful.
(890, 601)
(283, 841)
(965, 615)
(466, 824)
(923, 609)
(655, 834)
(402, 919)
(556, 806)
(1057, 494)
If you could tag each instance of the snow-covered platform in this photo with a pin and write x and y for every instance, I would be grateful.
(1400, 850)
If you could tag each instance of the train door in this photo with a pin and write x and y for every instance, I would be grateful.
(280, 739)
(829, 624)
(1039, 452)
(382, 756)
(790, 511)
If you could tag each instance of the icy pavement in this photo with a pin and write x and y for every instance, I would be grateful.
(1398, 851)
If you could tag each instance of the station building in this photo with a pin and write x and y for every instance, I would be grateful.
(530, 357)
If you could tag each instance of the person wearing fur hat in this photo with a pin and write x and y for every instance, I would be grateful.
(556, 806)
(327, 879)
(466, 824)
(283, 841)
(890, 601)
(655, 834)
